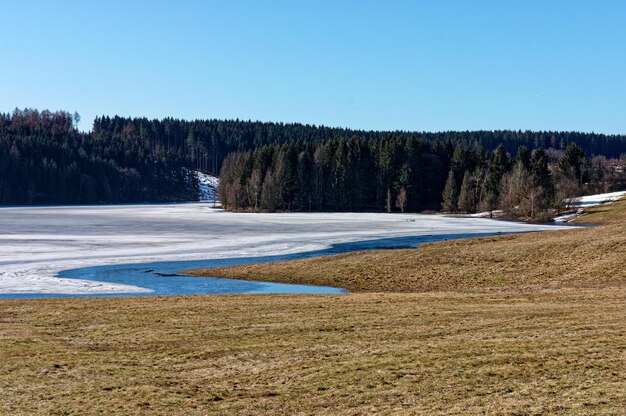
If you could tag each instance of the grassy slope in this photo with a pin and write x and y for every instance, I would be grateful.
(556, 352)
(590, 257)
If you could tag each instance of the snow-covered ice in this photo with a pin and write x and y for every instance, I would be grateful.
(36, 243)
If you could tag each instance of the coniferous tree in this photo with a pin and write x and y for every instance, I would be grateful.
(541, 176)
(450, 194)
(498, 167)
(305, 172)
(466, 194)
(573, 162)
(317, 186)
(523, 156)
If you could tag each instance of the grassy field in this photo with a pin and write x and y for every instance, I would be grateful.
(553, 353)
(537, 344)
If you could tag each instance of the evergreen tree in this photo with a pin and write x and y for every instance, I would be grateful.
(466, 194)
(523, 156)
(286, 175)
(498, 167)
(450, 194)
(573, 162)
(541, 176)
(305, 172)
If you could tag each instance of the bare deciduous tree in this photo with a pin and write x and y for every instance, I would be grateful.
(513, 189)
(254, 185)
(269, 193)
(466, 194)
(401, 200)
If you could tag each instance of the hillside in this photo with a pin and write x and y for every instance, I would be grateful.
(587, 257)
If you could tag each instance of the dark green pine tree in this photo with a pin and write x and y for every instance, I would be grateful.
(466, 194)
(499, 166)
(450, 194)
(572, 164)
(286, 175)
(460, 162)
(340, 175)
(523, 157)
(305, 171)
(540, 173)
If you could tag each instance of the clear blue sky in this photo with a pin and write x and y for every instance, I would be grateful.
(411, 65)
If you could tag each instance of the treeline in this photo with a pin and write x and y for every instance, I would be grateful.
(399, 173)
(336, 175)
(207, 142)
(531, 185)
(44, 159)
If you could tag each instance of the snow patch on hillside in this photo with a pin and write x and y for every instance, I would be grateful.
(488, 214)
(589, 201)
(207, 187)
(598, 199)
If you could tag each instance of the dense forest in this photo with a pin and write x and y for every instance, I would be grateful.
(399, 173)
(45, 160)
(207, 142)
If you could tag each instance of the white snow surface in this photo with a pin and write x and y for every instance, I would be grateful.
(589, 201)
(207, 187)
(567, 217)
(598, 199)
(36, 243)
(487, 214)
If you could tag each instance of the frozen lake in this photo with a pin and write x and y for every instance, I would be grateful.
(135, 249)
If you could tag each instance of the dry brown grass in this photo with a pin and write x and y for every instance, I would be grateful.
(550, 354)
(590, 257)
(513, 351)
